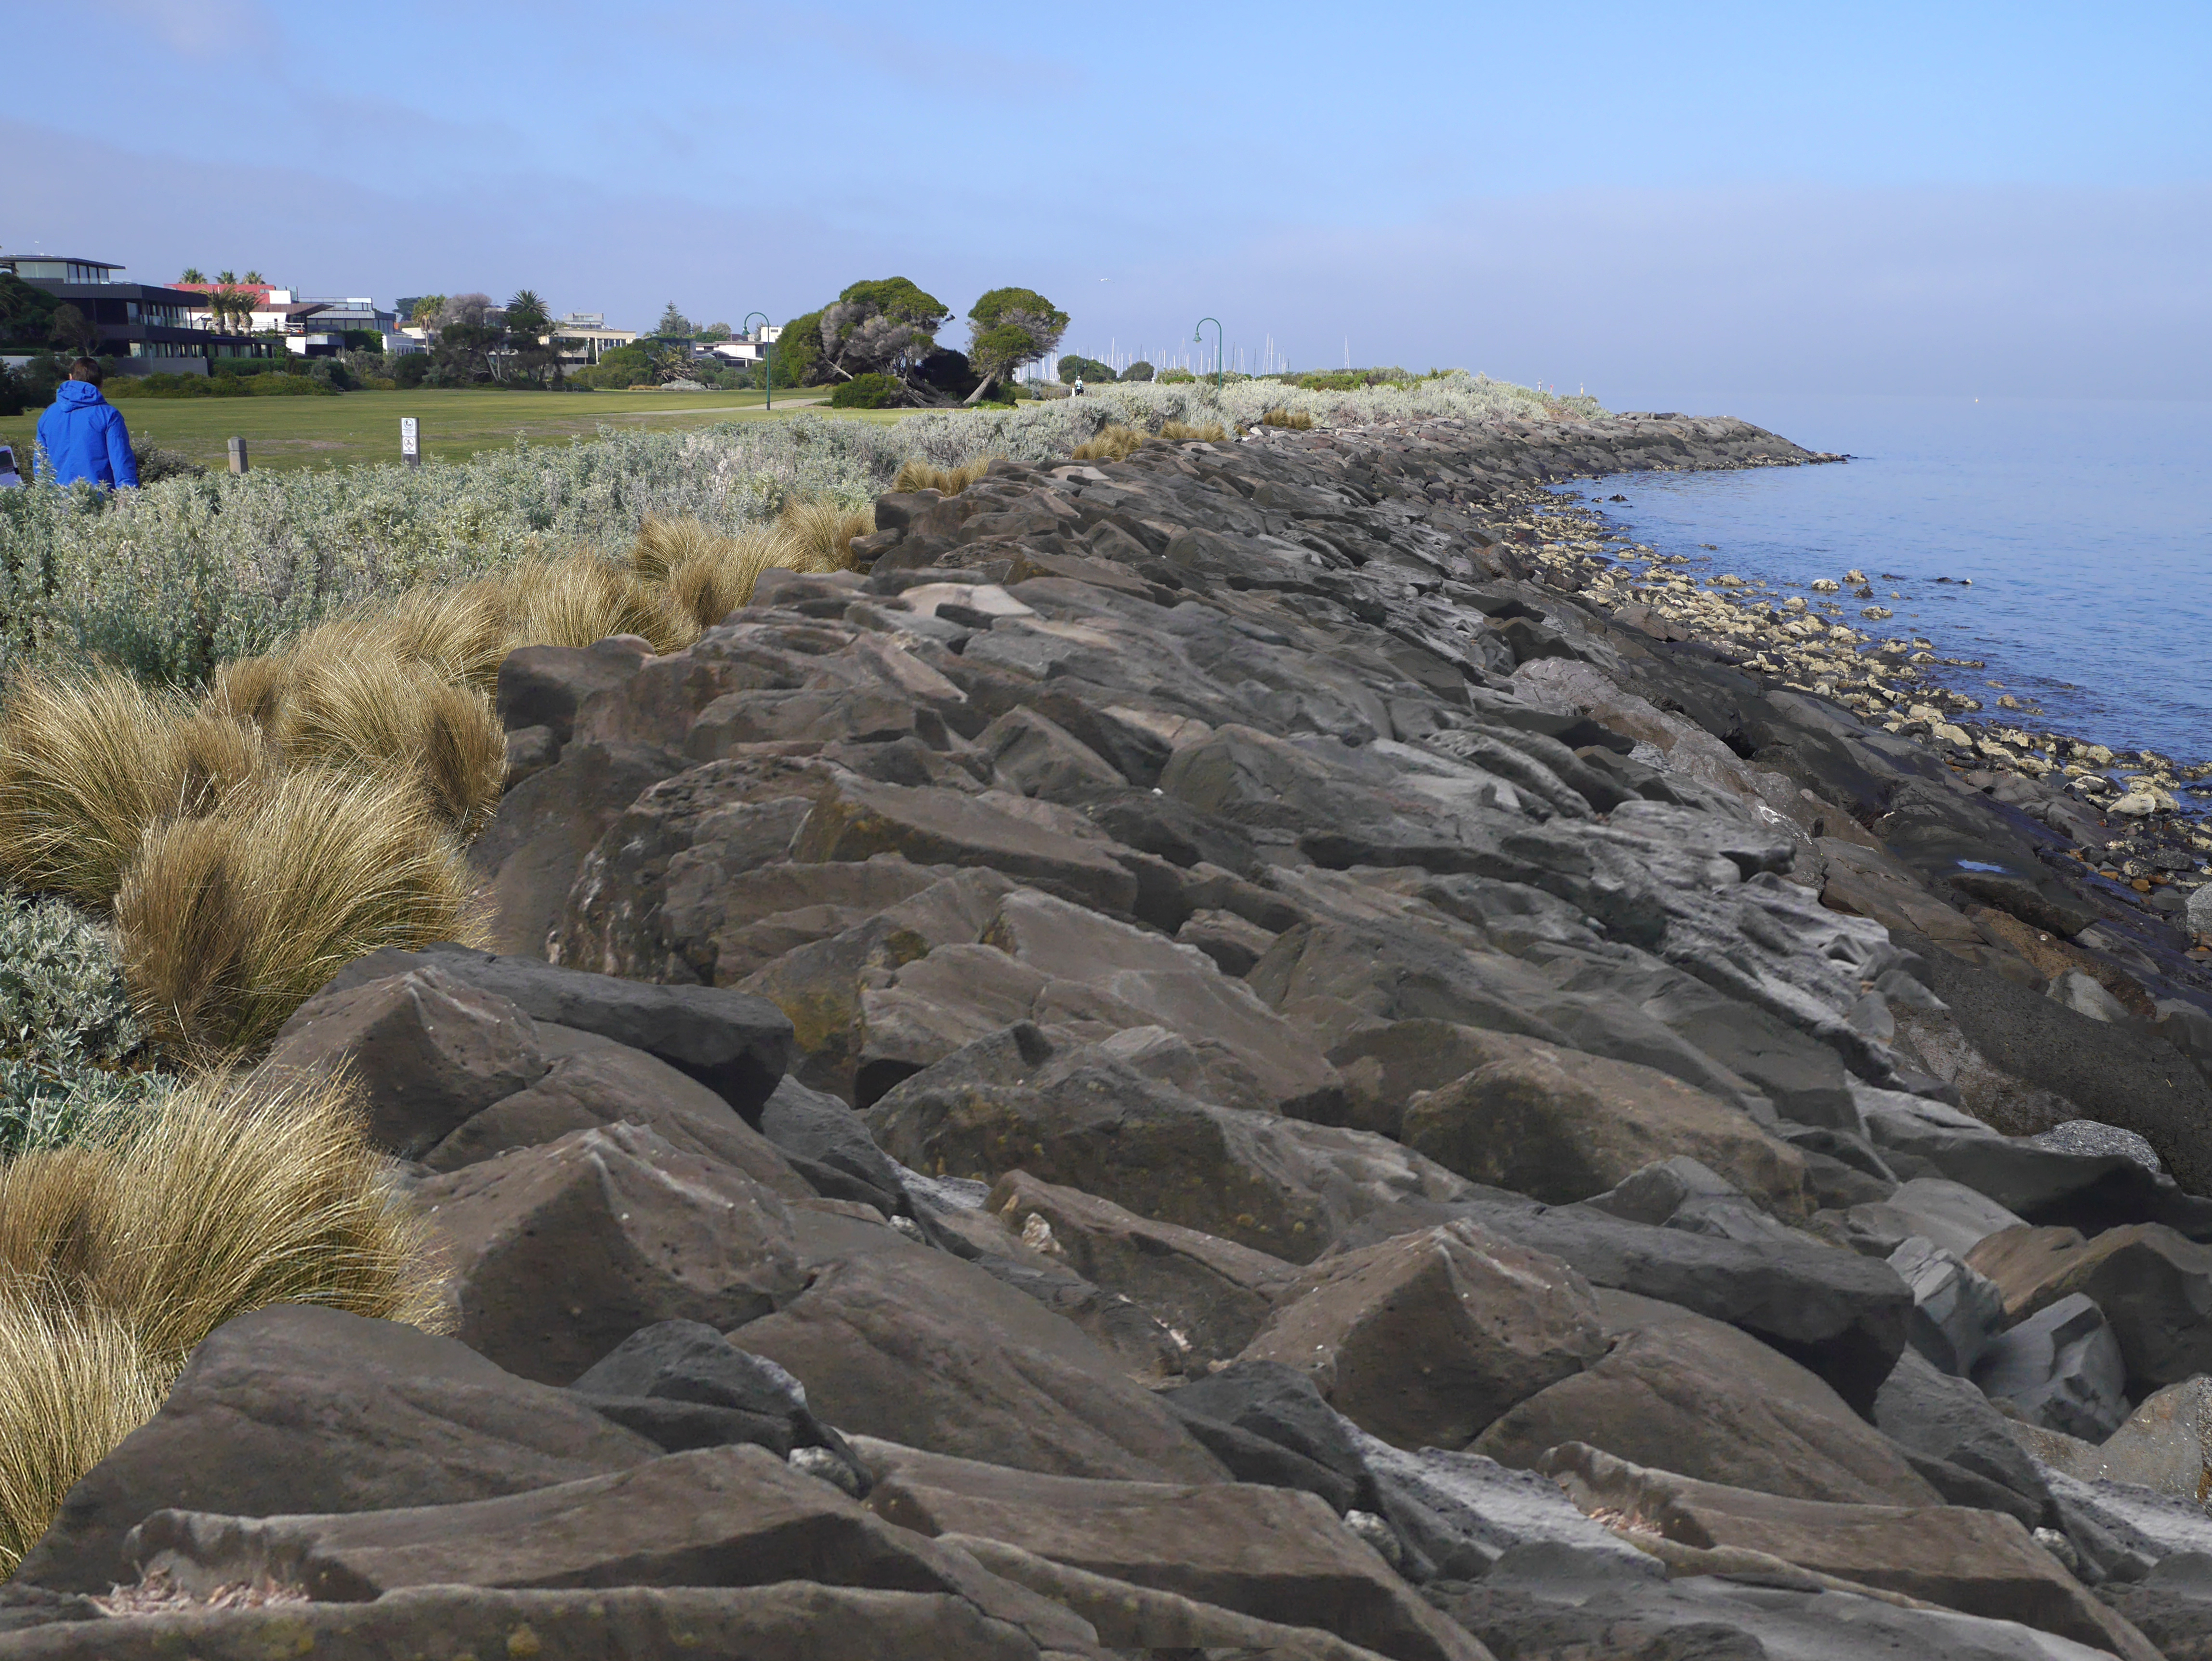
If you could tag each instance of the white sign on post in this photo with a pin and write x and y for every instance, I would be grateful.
(410, 442)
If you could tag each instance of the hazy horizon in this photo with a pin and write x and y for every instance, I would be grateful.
(1666, 210)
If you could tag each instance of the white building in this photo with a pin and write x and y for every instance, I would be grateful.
(584, 338)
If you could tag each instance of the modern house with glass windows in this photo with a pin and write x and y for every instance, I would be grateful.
(145, 328)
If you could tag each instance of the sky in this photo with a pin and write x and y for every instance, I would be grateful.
(1663, 204)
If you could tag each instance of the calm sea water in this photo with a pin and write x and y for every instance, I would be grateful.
(2086, 526)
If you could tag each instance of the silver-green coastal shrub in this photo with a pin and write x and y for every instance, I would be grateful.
(66, 1029)
(172, 579)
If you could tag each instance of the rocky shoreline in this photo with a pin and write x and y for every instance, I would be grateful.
(1240, 1052)
(2124, 811)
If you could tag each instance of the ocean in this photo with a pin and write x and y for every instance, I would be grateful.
(2084, 527)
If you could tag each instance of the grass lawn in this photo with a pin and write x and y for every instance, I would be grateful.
(364, 427)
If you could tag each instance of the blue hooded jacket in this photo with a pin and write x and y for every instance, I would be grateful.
(84, 437)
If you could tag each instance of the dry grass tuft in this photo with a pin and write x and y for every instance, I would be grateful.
(581, 599)
(88, 762)
(1297, 421)
(120, 1255)
(73, 1384)
(1183, 432)
(397, 718)
(228, 923)
(708, 588)
(664, 545)
(945, 481)
(1111, 443)
(818, 534)
(250, 688)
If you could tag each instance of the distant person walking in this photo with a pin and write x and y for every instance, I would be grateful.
(1078, 385)
(82, 434)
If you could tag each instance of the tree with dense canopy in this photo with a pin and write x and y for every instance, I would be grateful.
(1074, 367)
(884, 326)
(532, 354)
(1011, 327)
(71, 331)
(674, 324)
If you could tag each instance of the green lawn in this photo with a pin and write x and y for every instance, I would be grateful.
(358, 426)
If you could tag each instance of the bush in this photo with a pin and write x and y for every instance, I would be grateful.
(867, 392)
(1116, 443)
(1184, 432)
(230, 922)
(945, 481)
(1298, 420)
(119, 1256)
(1177, 378)
(1139, 370)
(408, 369)
(1074, 367)
(88, 761)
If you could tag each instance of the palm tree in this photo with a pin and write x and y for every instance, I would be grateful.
(192, 275)
(251, 277)
(226, 277)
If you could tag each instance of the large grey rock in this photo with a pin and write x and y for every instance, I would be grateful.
(1561, 1126)
(298, 1409)
(1918, 1137)
(1491, 1323)
(1088, 1119)
(682, 1380)
(1946, 1213)
(1712, 1403)
(1257, 1550)
(427, 1049)
(1280, 1407)
(2154, 1286)
(733, 1516)
(860, 818)
(829, 1145)
(559, 1253)
(1954, 1310)
(1829, 1311)
(2060, 1368)
(1942, 1417)
(794, 1619)
(914, 1346)
(592, 1082)
(1213, 1293)
(2119, 1075)
(736, 1045)
(2171, 1605)
(1539, 1600)
(1978, 1562)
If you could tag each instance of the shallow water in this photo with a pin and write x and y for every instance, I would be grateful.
(2081, 524)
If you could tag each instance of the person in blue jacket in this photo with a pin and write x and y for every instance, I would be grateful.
(82, 434)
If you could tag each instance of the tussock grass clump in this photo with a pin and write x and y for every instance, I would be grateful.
(709, 587)
(73, 1384)
(663, 544)
(87, 761)
(1111, 443)
(919, 475)
(227, 923)
(818, 534)
(119, 1254)
(397, 719)
(1296, 420)
(1183, 432)
(581, 598)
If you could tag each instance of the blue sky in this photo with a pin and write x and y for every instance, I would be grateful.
(1664, 203)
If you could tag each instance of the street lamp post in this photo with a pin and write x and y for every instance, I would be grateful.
(1220, 353)
(749, 316)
